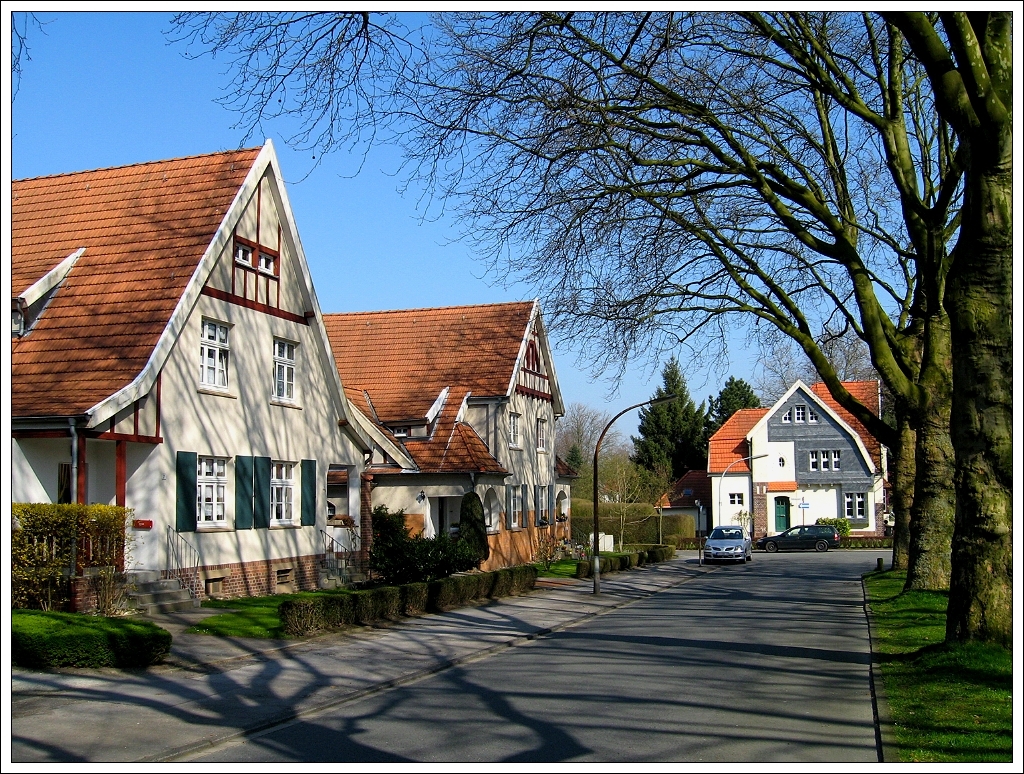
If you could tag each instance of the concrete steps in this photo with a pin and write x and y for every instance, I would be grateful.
(154, 594)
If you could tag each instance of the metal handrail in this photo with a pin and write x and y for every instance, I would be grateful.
(349, 555)
(184, 561)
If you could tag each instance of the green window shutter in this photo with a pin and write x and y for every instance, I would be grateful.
(261, 492)
(308, 493)
(187, 493)
(243, 492)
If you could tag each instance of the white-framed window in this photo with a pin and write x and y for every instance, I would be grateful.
(543, 516)
(516, 514)
(813, 460)
(835, 459)
(211, 490)
(243, 254)
(282, 491)
(542, 435)
(787, 417)
(267, 263)
(214, 355)
(824, 460)
(284, 370)
(735, 498)
(801, 413)
(812, 415)
(855, 506)
(513, 430)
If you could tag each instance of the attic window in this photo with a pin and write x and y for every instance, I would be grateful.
(400, 432)
(267, 263)
(801, 413)
(812, 415)
(243, 254)
(17, 322)
(787, 417)
(687, 493)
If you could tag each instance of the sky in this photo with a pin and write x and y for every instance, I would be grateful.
(107, 89)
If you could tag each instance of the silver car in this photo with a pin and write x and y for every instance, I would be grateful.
(729, 544)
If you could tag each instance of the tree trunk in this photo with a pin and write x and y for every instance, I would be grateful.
(934, 505)
(902, 481)
(979, 301)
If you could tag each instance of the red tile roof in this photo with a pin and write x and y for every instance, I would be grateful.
(699, 485)
(729, 444)
(144, 228)
(868, 394)
(454, 446)
(782, 486)
(404, 358)
(562, 469)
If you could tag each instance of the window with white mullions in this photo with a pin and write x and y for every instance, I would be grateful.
(267, 263)
(282, 491)
(513, 430)
(213, 355)
(855, 506)
(211, 485)
(284, 370)
(542, 435)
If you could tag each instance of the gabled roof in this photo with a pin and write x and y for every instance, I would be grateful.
(404, 358)
(144, 229)
(868, 394)
(729, 443)
(563, 470)
(697, 483)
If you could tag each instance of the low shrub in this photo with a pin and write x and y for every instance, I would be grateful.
(317, 612)
(414, 598)
(398, 557)
(502, 583)
(524, 578)
(41, 639)
(866, 542)
(842, 525)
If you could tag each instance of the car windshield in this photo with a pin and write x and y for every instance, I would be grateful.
(726, 534)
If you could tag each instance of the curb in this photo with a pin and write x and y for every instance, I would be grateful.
(885, 736)
(179, 753)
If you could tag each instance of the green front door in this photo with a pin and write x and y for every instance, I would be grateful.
(781, 514)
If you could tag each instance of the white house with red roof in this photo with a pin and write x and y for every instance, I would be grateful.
(802, 459)
(460, 401)
(169, 355)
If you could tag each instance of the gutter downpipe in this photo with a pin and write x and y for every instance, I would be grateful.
(74, 459)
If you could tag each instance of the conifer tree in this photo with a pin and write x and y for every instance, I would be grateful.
(735, 395)
(672, 435)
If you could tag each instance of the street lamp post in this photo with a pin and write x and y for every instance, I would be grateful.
(597, 451)
(722, 482)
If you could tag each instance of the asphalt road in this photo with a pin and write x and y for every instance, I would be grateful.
(765, 662)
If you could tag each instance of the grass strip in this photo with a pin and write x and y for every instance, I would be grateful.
(563, 568)
(949, 702)
(255, 617)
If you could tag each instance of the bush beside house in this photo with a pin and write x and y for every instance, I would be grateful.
(45, 639)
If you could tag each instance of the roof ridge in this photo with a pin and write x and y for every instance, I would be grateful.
(137, 164)
(427, 308)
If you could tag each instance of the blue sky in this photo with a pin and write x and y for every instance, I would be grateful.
(105, 89)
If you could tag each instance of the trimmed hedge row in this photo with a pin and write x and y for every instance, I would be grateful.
(644, 554)
(866, 542)
(41, 640)
(320, 612)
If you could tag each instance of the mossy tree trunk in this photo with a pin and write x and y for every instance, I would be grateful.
(980, 305)
(902, 477)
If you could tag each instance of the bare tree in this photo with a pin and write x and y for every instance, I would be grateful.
(21, 22)
(668, 178)
(581, 426)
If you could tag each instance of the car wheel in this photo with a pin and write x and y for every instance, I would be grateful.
(771, 546)
(749, 557)
(821, 545)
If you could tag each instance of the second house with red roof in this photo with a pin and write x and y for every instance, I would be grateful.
(803, 459)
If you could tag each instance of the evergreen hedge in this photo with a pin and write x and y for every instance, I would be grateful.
(45, 639)
(616, 562)
(320, 612)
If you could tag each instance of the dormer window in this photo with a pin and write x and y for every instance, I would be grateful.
(17, 322)
(400, 432)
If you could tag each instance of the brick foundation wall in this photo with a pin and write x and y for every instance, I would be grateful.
(760, 506)
(83, 596)
(259, 578)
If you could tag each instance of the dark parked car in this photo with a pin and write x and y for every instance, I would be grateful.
(817, 537)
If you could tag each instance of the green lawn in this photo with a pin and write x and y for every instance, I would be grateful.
(949, 703)
(563, 568)
(249, 616)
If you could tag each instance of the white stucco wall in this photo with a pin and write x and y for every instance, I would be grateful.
(34, 463)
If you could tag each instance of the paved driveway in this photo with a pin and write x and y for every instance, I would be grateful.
(765, 662)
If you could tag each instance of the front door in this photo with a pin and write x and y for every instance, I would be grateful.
(781, 514)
